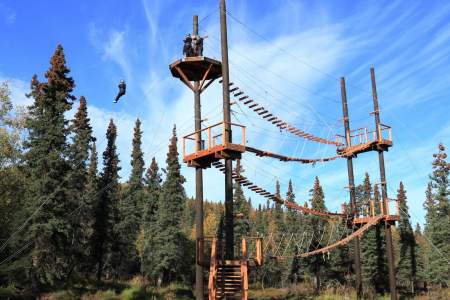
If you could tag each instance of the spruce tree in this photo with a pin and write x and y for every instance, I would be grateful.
(170, 243)
(374, 264)
(366, 196)
(130, 207)
(440, 224)
(369, 240)
(318, 229)
(430, 221)
(51, 230)
(407, 265)
(105, 243)
(241, 209)
(293, 226)
(381, 281)
(92, 201)
(152, 184)
(430, 208)
(79, 155)
(420, 258)
(278, 215)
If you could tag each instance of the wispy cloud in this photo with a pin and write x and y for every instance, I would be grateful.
(112, 45)
(7, 14)
(19, 89)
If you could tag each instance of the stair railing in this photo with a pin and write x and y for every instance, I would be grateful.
(259, 252)
(244, 271)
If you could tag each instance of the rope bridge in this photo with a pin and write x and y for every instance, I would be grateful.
(242, 180)
(240, 96)
(262, 153)
(281, 246)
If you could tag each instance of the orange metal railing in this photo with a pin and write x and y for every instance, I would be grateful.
(362, 136)
(212, 136)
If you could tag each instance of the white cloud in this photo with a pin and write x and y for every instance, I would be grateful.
(111, 45)
(19, 89)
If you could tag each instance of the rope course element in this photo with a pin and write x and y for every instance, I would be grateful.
(264, 113)
(268, 195)
(301, 245)
(262, 153)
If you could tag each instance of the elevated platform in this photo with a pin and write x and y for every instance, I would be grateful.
(362, 140)
(365, 220)
(202, 148)
(194, 68)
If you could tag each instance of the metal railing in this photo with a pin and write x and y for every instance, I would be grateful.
(212, 136)
(362, 136)
(254, 250)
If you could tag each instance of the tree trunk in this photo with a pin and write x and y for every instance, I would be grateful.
(318, 280)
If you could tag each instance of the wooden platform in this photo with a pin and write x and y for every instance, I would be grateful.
(204, 147)
(204, 158)
(362, 140)
(382, 145)
(365, 220)
(195, 68)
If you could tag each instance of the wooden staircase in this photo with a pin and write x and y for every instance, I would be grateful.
(229, 280)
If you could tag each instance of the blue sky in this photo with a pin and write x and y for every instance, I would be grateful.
(312, 44)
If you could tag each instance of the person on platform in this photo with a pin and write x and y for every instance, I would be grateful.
(187, 47)
(122, 90)
(198, 44)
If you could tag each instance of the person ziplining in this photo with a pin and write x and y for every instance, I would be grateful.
(122, 90)
(193, 45)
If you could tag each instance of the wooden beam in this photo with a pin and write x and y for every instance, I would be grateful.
(207, 84)
(185, 79)
(204, 77)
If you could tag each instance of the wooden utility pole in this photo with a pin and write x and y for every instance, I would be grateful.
(351, 184)
(229, 235)
(387, 225)
(199, 290)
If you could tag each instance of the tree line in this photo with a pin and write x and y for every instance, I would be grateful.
(64, 220)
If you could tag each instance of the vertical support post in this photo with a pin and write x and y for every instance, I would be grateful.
(244, 271)
(229, 235)
(351, 183)
(199, 288)
(387, 225)
(372, 208)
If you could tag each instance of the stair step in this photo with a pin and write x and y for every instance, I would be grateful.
(229, 280)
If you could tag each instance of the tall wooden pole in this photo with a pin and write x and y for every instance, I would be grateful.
(199, 289)
(229, 236)
(387, 226)
(351, 184)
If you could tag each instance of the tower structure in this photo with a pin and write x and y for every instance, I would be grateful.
(210, 144)
(360, 141)
(197, 73)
